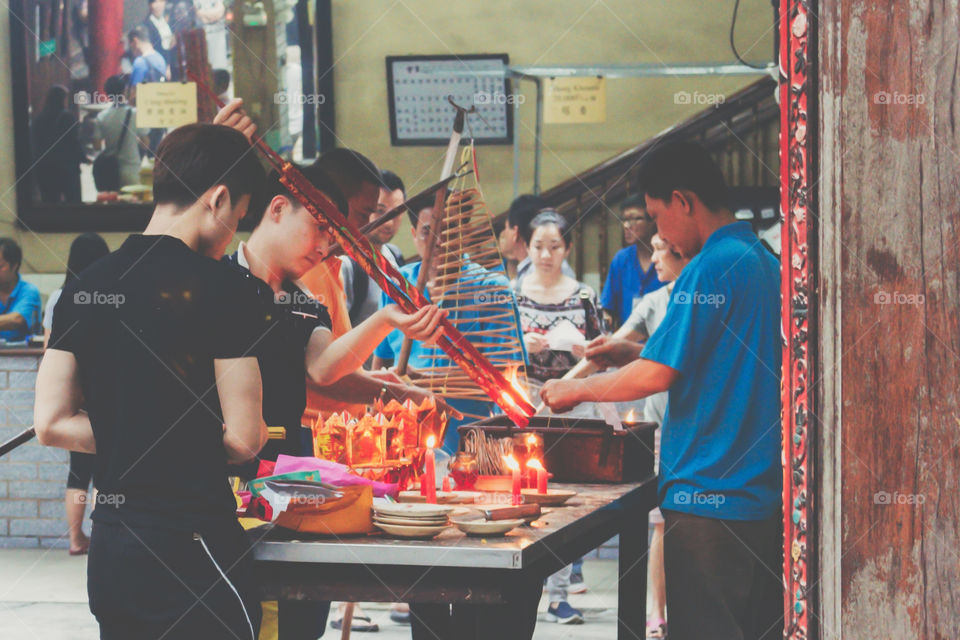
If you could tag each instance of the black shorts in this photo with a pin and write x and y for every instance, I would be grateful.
(151, 583)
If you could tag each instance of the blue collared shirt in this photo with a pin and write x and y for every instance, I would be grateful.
(720, 448)
(489, 320)
(25, 300)
(626, 283)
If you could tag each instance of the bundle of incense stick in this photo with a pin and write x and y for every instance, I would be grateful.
(388, 278)
(470, 282)
(489, 452)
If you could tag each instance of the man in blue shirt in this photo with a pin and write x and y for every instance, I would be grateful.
(718, 353)
(631, 274)
(149, 65)
(19, 300)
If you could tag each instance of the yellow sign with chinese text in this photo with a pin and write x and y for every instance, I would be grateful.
(166, 105)
(575, 100)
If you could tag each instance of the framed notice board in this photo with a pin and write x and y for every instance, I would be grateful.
(417, 91)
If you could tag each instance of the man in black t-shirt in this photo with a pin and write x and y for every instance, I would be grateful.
(286, 243)
(158, 343)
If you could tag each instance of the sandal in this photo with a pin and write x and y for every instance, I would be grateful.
(657, 629)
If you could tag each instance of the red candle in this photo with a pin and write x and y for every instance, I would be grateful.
(515, 469)
(446, 484)
(429, 479)
(536, 467)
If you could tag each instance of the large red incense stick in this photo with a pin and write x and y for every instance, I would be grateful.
(407, 297)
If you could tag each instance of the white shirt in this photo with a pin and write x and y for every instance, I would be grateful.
(48, 311)
(166, 35)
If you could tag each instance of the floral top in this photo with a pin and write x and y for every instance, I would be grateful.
(542, 318)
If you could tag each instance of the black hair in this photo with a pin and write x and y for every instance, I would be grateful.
(85, 249)
(349, 169)
(684, 166)
(391, 182)
(196, 157)
(273, 187)
(633, 201)
(139, 32)
(523, 209)
(11, 252)
(545, 217)
(115, 87)
(221, 80)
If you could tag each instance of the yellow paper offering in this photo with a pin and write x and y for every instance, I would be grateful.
(166, 105)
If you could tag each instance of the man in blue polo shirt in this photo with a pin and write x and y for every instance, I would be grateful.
(631, 274)
(718, 354)
(19, 300)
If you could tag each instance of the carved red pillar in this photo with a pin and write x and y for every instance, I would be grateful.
(798, 95)
(107, 40)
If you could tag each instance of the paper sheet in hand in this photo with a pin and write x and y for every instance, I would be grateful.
(564, 336)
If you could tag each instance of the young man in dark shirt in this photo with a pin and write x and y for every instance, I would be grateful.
(285, 244)
(152, 366)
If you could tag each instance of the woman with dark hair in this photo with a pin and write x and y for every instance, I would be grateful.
(86, 249)
(57, 152)
(554, 324)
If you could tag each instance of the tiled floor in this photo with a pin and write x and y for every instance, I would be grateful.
(43, 597)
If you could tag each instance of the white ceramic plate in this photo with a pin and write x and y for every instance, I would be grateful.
(413, 522)
(411, 510)
(486, 527)
(402, 531)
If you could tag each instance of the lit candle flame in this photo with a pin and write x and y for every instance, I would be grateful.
(531, 439)
(431, 441)
(533, 463)
(631, 416)
(511, 462)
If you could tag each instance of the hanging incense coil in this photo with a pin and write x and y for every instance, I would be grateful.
(470, 282)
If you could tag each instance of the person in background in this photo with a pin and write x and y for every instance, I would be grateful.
(631, 274)
(57, 151)
(642, 323)
(431, 620)
(516, 236)
(363, 294)
(149, 65)
(19, 300)
(161, 36)
(212, 15)
(718, 352)
(110, 124)
(548, 299)
(85, 249)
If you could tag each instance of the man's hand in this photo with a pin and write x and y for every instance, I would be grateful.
(232, 115)
(607, 351)
(423, 325)
(561, 395)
